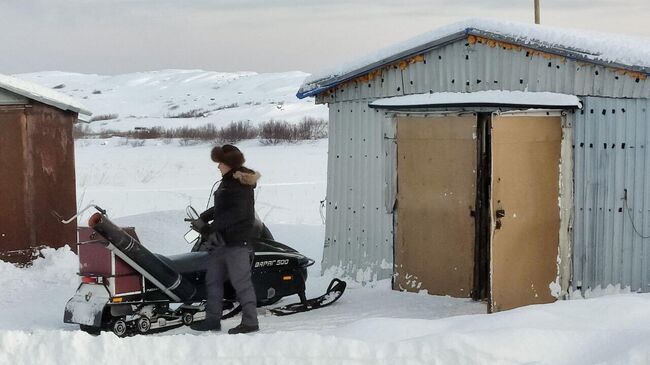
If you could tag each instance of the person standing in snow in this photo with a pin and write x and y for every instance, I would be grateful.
(233, 219)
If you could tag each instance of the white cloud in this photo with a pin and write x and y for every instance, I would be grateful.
(115, 36)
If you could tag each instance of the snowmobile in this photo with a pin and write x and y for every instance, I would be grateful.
(129, 290)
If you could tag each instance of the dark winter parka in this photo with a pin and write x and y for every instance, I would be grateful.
(233, 213)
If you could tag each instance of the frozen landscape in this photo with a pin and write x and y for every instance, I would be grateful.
(149, 187)
(160, 98)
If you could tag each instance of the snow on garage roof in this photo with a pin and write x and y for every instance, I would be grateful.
(608, 49)
(481, 98)
(43, 94)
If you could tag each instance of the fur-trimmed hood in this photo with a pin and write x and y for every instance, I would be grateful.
(247, 176)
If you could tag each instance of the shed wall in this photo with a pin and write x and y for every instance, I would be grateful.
(37, 161)
(53, 177)
(13, 228)
(359, 227)
(612, 141)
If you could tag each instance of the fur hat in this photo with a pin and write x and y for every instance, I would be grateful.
(229, 155)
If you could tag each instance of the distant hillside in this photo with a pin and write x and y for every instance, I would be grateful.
(174, 98)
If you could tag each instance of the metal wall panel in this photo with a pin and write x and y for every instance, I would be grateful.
(14, 230)
(464, 67)
(52, 182)
(359, 230)
(612, 140)
(389, 83)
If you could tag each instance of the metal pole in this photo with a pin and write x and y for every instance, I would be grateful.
(537, 12)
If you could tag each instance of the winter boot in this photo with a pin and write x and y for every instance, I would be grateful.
(242, 328)
(207, 325)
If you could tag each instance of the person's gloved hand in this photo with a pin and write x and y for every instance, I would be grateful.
(200, 226)
(214, 241)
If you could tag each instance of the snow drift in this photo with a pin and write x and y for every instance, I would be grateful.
(388, 328)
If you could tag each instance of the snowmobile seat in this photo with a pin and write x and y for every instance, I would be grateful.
(262, 230)
(187, 262)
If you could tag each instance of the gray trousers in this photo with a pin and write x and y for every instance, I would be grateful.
(230, 263)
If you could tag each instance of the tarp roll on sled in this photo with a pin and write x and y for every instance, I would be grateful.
(172, 283)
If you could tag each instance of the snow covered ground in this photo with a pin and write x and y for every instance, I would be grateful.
(149, 186)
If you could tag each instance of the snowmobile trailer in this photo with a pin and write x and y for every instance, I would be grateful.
(129, 290)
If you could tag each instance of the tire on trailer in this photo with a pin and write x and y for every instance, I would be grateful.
(143, 324)
(119, 328)
(187, 318)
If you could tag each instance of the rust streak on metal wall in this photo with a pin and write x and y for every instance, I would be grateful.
(52, 156)
(13, 227)
(28, 178)
(472, 39)
(363, 80)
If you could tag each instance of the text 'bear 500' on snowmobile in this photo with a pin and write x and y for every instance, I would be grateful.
(127, 289)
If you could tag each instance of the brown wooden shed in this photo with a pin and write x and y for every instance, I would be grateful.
(37, 169)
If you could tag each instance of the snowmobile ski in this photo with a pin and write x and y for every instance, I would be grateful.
(334, 292)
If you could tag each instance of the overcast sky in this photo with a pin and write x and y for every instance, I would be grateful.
(119, 36)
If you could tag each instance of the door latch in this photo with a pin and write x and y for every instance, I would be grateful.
(500, 213)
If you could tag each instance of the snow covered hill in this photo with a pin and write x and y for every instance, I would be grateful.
(159, 98)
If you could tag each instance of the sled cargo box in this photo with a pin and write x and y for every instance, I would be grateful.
(97, 261)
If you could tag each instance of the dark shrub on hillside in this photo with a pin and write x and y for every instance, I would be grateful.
(237, 131)
(146, 133)
(312, 128)
(274, 132)
(271, 132)
(104, 117)
(80, 130)
(194, 113)
(204, 133)
(224, 107)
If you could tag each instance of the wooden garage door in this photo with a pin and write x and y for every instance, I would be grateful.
(525, 190)
(436, 179)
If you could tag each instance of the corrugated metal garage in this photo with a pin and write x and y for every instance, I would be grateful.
(597, 247)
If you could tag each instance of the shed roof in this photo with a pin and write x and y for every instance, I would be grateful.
(42, 94)
(609, 49)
